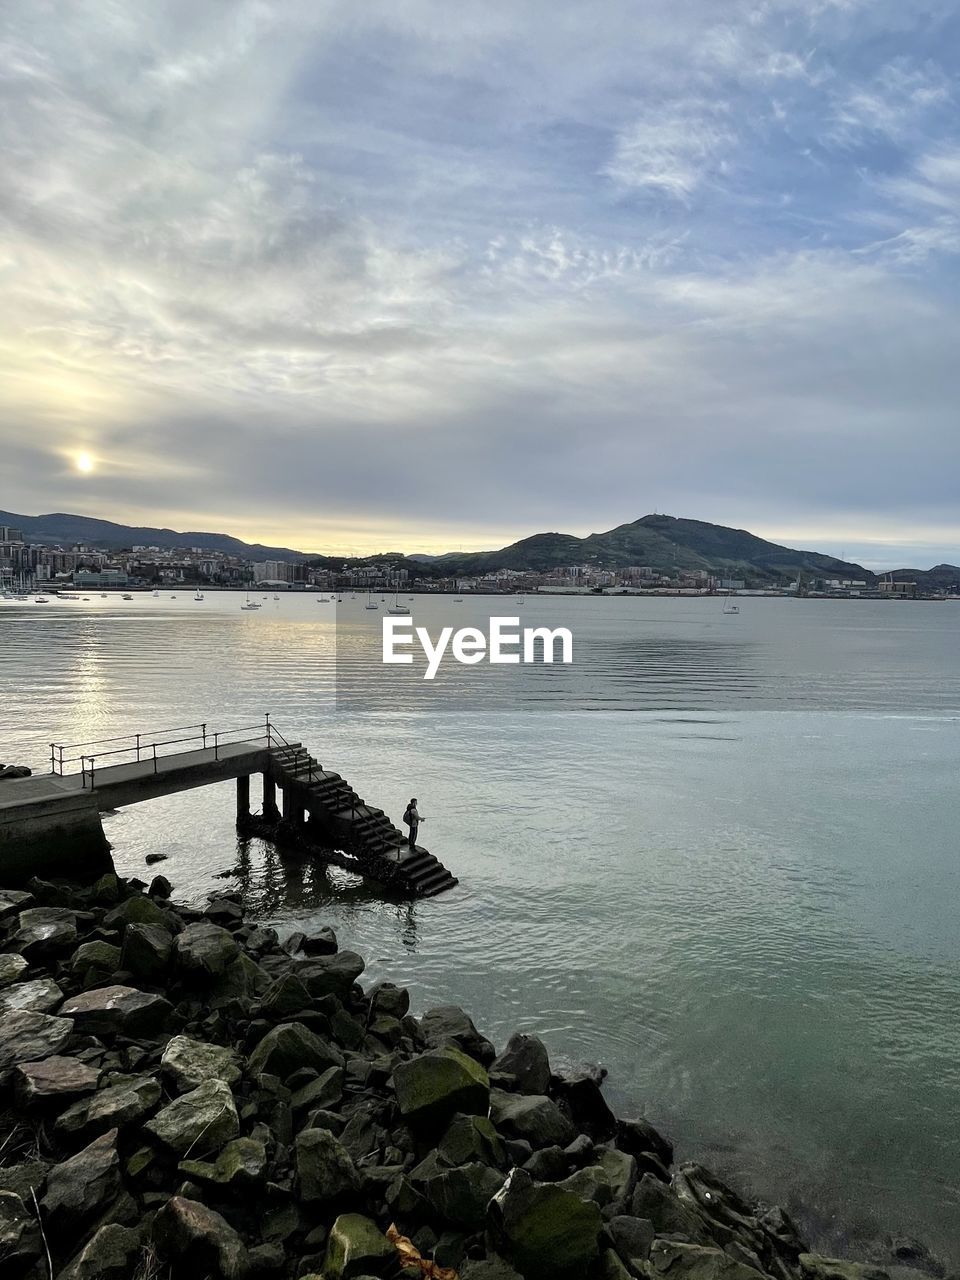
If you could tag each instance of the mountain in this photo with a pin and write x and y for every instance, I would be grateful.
(942, 577)
(664, 543)
(61, 529)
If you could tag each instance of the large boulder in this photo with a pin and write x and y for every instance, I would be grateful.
(41, 995)
(44, 933)
(545, 1232)
(358, 1248)
(813, 1266)
(53, 1081)
(471, 1140)
(659, 1205)
(137, 909)
(29, 1037)
(537, 1119)
(632, 1238)
(95, 961)
(332, 975)
(284, 999)
(639, 1138)
(116, 1107)
(204, 950)
(523, 1065)
(290, 1046)
(80, 1188)
(187, 1063)
(109, 1010)
(198, 1122)
(146, 951)
(432, 1087)
(449, 1025)
(697, 1262)
(325, 1170)
(198, 1242)
(13, 901)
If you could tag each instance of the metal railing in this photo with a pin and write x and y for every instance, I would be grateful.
(139, 748)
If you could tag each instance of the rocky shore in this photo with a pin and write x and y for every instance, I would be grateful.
(183, 1096)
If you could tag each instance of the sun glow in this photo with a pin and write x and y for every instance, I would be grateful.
(84, 462)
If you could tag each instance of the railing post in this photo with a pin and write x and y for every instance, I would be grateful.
(154, 757)
(61, 760)
(269, 734)
(138, 748)
(204, 729)
(93, 761)
(216, 746)
(53, 757)
(83, 773)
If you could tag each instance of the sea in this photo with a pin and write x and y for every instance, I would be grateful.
(716, 854)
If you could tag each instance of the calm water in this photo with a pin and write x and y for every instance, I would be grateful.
(718, 855)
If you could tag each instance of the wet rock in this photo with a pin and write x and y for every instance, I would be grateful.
(187, 1063)
(138, 909)
(696, 1262)
(108, 1010)
(290, 1046)
(146, 951)
(44, 933)
(321, 943)
(12, 968)
(198, 1241)
(523, 1065)
(325, 1170)
(449, 1025)
(109, 1254)
(204, 950)
(30, 1037)
(116, 1107)
(586, 1105)
(42, 995)
(638, 1138)
(549, 1164)
(631, 1238)
(331, 975)
(106, 889)
(224, 911)
(488, 1269)
(160, 887)
(357, 1248)
(20, 1239)
(241, 1164)
(432, 1087)
(80, 1188)
(537, 1119)
(24, 1178)
(386, 998)
(198, 1122)
(53, 1081)
(546, 1233)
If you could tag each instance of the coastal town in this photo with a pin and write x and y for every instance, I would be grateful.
(28, 566)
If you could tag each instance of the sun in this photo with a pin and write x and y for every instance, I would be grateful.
(84, 462)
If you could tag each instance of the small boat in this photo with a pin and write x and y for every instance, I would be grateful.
(397, 607)
(40, 600)
(249, 606)
(126, 597)
(63, 595)
(252, 604)
(103, 595)
(276, 597)
(729, 608)
(199, 595)
(156, 595)
(371, 603)
(322, 600)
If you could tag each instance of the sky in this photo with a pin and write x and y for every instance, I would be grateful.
(424, 276)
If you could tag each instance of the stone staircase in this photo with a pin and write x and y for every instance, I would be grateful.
(343, 820)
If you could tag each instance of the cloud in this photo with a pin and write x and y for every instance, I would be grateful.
(464, 275)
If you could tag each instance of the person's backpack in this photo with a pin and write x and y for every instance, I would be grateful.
(406, 816)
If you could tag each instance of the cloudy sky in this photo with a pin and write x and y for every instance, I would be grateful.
(421, 275)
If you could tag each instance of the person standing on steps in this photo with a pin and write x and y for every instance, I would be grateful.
(412, 819)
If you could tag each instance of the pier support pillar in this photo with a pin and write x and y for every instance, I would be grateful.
(270, 810)
(292, 808)
(243, 797)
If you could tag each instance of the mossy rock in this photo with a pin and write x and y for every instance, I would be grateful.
(358, 1248)
(545, 1232)
(432, 1088)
